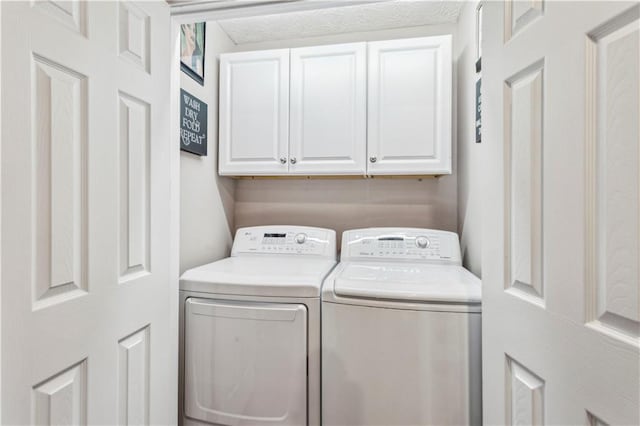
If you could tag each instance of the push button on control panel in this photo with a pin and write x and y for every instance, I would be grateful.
(301, 238)
(422, 242)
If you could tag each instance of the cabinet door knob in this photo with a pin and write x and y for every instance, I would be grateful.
(283, 160)
(373, 159)
(293, 160)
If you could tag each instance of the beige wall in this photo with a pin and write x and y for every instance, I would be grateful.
(347, 204)
(351, 203)
(469, 164)
(206, 200)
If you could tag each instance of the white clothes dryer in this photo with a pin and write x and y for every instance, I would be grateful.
(401, 332)
(250, 330)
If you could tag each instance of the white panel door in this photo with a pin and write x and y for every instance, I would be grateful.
(409, 115)
(86, 330)
(254, 113)
(328, 110)
(561, 284)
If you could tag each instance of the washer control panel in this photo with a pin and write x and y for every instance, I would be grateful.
(285, 240)
(412, 244)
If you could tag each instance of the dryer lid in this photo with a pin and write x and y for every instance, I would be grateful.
(278, 276)
(409, 282)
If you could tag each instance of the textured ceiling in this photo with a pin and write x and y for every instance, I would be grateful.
(340, 20)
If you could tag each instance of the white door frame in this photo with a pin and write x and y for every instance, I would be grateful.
(174, 214)
(0, 211)
(211, 10)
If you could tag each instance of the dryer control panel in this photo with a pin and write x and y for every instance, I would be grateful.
(285, 240)
(409, 244)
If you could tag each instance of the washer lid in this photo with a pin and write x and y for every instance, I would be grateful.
(408, 282)
(281, 276)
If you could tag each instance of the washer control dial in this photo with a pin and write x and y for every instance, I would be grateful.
(422, 242)
(301, 238)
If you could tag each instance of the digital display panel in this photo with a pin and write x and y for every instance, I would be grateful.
(391, 239)
(275, 235)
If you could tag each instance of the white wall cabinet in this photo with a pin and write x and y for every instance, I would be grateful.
(409, 114)
(328, 110)
(318, 115)
(254, 113)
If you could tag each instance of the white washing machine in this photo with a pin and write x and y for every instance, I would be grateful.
(401, 324)
(250, 330)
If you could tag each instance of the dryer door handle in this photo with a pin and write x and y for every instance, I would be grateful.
(243, 310)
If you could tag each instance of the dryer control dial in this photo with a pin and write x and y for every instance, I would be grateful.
(422, 242)
(301, 238)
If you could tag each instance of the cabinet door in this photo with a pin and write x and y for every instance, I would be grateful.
(254, 113)
(328, 110)
(409, 114)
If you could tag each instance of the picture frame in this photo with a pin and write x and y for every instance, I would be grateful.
(192, 48)
(479, 37)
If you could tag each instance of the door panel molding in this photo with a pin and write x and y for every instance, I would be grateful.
(523, 184)
(62, 398)
(134, 34)
(72, 14)
(593, 420)
(135, 217)
(612, 177)
(524, 395)
(520, 13)
(133, 378)
(59, 128)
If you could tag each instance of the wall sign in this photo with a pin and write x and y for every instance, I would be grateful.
(193, 124)
(478, 111)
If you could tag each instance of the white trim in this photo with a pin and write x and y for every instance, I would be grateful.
(174, 214)
(212, 10)
(0, 213)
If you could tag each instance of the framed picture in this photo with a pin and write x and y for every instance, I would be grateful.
(192, 50)
(479, 38)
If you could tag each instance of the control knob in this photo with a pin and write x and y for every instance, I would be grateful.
(301, 238)
(422, 242)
